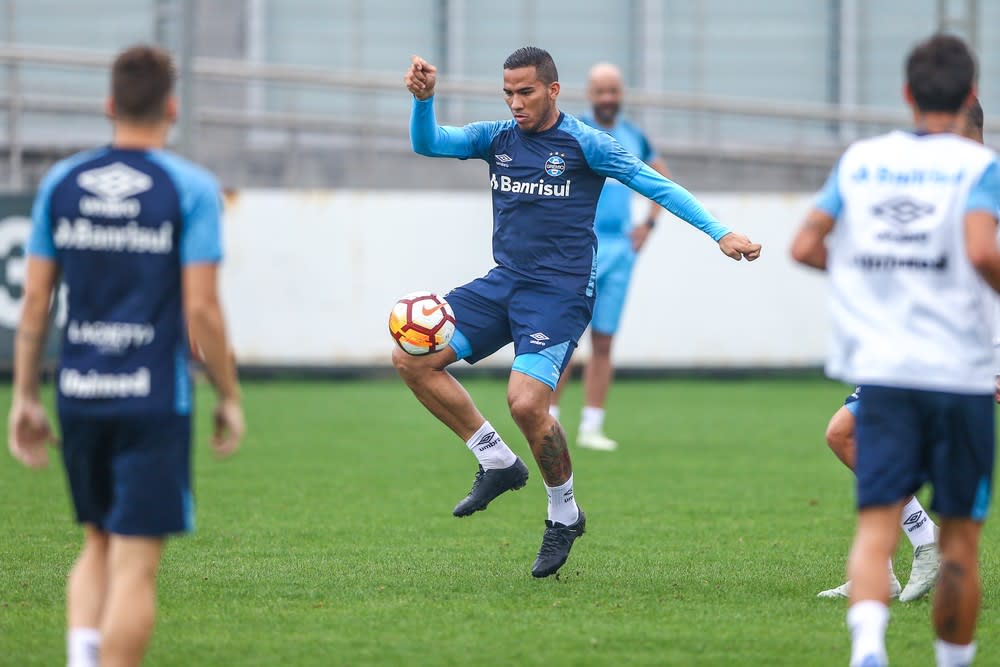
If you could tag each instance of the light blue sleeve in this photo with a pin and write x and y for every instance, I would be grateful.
(433, 140)
(609, 158)
(40, 242)
(676, 199)
(985, 194)
(201, 208)
(829, 200)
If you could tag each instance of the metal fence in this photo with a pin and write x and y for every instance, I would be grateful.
(259, 122)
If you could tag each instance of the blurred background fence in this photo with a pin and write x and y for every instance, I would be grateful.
(307, 93)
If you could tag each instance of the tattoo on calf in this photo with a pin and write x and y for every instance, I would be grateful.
(552, 455)
(948, 598)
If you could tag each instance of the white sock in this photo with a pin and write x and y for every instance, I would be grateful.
(562, 504)
(917, 525)
(490, 449)
(554, 411)
(954, 655)
(82, 646)
(867, 620)
(592, 419)
(892, 572)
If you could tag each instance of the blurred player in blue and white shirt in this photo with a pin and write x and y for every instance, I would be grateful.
(133, 232)
(906, 227)
(618, 242)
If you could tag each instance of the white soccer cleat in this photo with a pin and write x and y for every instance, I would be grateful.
(844, 590)
(923, 574)
(595, 440)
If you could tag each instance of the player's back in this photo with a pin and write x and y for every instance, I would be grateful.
(119, 223)
(909, 309)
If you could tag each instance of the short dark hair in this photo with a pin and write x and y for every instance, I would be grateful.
(940, 72)
(974, 114)
(142, 78)
(532, 56)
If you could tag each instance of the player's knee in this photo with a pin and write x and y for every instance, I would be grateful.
(600, 344)
(526, 409)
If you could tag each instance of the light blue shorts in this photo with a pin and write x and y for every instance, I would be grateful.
(615, 260)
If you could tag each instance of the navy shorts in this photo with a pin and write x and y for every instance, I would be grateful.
(908, 437)
(130, 475)
(543, 321)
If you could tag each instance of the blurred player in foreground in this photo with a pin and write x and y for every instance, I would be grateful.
(917, 525)
(618, 242)
(134, 232)
(906, 227)
(546, 173)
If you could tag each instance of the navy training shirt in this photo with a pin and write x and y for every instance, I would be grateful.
(121, 224)
(546, 186)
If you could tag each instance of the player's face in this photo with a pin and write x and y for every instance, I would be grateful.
(531, 101)
(606, 99)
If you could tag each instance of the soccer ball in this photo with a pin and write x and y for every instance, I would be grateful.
(421, 323)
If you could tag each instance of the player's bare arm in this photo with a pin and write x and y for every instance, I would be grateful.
(981, 246)
(809, 245)
(421, 78)
(204, 316)
(28, 425)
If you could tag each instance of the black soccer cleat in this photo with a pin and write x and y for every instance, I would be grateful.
(556, 543)
(491, 483)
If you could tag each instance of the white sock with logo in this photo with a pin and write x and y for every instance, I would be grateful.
(562, 503)
(490, 449)
(954, 655)
(554, 411)
(917, 524)
(591, 419)
(82, 647)
(867, 621)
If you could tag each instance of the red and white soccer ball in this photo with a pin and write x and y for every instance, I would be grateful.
(421, 323)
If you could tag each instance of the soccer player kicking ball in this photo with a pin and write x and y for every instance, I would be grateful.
(546, 172)
(134, 232)
(618, 243)
(915, 522)
(906, 227)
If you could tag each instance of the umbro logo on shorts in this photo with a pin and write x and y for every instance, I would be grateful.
(538, 338)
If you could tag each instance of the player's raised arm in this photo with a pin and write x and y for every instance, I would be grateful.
(427, 137)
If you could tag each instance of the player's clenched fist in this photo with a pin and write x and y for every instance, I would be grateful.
(738, 247)
(420, 78)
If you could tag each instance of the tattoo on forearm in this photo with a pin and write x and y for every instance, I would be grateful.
(552, 455)
(948, 598)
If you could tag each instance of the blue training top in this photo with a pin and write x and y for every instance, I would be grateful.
(121, 224)
(545, 190)
(614, 208)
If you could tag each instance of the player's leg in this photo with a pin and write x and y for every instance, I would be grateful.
(151, 469)
(961, 470)
(86, 459)
(85, 598)
(957, 596)
(890, 466)
(481, 329)
(615, 262)
(131, 604)
(840, 439)
(546, 323)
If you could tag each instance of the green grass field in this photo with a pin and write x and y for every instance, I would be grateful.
(329, 540)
